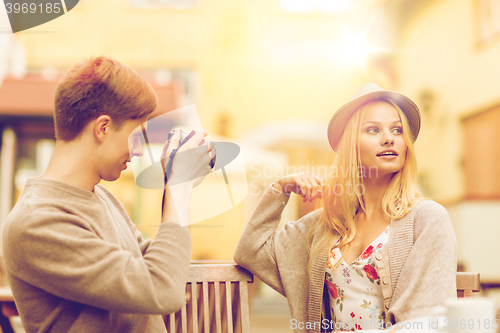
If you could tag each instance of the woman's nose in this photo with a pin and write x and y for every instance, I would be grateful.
(387, 139)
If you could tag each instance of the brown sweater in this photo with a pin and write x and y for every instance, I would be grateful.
(417, 267)
(76, 263)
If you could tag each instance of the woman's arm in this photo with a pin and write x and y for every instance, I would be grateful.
(255, 249)
(263, 250)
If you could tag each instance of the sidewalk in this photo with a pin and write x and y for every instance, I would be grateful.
(270, 314)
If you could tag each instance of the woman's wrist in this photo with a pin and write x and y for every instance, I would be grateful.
(277, 186)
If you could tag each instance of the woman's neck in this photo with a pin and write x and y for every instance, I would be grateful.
(374, 190)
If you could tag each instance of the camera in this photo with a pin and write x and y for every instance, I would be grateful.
(184, 135)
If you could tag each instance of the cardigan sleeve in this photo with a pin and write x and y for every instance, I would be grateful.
(428, 276)
(268, 253)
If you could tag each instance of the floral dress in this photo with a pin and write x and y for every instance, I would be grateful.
(356, 300)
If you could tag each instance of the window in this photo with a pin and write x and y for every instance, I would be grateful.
(187, 78)
(482, 155)
(488, 19)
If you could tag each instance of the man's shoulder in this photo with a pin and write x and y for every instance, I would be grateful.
(103, 192)
(41, 202)
(109, 197)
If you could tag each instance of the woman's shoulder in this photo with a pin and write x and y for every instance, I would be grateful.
(429, 207)
(429, 213)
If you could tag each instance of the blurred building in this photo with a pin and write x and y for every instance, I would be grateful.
(448, 61)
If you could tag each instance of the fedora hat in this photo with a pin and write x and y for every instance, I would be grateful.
(366, 93)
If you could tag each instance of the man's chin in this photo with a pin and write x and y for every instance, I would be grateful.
(111, 178)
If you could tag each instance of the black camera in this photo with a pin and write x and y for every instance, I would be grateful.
(184, 135)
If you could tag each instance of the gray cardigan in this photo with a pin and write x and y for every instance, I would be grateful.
(417, 267)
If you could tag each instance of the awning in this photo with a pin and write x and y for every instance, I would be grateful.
(33, 95)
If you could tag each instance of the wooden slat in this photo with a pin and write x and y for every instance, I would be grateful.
(206, 314)
(245, 313)
(172, 322)
(229, 309)
(217, 307)
(184, 319)
(6, 294)
(221, 272)
(468, 282)
(194, 302)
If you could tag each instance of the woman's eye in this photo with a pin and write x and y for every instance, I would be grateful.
(372, 130)
(398, 130)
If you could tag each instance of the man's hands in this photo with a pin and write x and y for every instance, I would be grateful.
(188, 167)
(305, 184)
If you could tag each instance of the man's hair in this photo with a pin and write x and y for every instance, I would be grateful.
(100, 86)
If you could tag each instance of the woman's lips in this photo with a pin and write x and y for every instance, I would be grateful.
(388, 152)
(387, 157)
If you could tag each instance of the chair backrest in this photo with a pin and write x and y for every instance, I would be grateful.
(467, 282)
(217, 301)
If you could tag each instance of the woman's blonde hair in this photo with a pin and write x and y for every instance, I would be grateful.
(344, 192)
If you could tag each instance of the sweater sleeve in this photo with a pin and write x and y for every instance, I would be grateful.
(263, 250)
(143, 243)
(428, 276)
(61, 254)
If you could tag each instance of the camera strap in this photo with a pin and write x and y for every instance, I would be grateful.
(168, 168)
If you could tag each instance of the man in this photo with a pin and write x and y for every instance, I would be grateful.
(75, 261)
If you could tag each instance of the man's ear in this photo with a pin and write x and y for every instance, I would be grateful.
(102, 125)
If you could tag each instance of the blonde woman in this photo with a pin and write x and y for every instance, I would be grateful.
(377, 252)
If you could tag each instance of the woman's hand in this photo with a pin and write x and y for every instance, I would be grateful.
(305, 184)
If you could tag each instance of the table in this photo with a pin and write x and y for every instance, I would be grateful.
(8, 309)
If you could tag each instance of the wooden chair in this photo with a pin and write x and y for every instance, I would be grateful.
(467, 282)
(219, 290)
(217, 301)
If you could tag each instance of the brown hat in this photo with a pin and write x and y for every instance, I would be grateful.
(368, 92)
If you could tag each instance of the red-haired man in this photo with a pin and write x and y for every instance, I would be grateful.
(75, 261)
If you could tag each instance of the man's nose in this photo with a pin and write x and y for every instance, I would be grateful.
(136, 148)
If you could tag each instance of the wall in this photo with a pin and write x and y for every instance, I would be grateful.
(439, 53)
